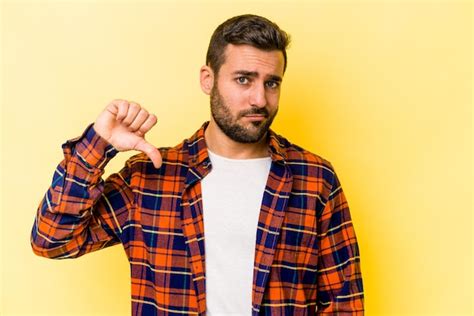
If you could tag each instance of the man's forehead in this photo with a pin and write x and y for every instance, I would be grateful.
(248, 58)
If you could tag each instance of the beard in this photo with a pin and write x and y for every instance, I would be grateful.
(229, 124)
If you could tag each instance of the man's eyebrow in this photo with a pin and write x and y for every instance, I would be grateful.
(275, 78)
(255, 74)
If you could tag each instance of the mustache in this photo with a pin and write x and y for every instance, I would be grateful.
(255, 111)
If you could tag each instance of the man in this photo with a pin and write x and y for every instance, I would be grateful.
(235, 220)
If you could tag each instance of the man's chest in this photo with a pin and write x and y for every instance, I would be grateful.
(168, 234)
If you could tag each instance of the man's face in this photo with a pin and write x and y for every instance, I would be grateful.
(245, 94)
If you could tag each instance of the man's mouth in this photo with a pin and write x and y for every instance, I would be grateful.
(255, 117)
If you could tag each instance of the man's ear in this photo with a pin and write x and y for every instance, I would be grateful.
(207, 79)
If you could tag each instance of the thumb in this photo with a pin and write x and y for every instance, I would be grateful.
(151, 151)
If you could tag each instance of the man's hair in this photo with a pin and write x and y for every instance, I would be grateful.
(249, 29)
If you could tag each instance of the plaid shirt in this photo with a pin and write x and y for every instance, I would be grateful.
(306, 254)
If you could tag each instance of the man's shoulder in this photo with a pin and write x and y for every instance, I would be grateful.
(299, 157)
(171, 156)
(178, 155)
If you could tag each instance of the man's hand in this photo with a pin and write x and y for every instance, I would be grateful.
(124, 125)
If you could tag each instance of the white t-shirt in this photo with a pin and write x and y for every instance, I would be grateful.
(232, 196)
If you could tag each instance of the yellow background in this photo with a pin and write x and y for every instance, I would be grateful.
(380, 89)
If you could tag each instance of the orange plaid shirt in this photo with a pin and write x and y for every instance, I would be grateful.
(306, 253)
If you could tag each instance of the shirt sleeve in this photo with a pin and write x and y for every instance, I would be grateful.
(81, 213)
(340, 288)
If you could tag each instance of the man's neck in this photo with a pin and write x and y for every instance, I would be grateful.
(221, 144)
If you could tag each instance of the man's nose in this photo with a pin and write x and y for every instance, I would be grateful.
(257, 96)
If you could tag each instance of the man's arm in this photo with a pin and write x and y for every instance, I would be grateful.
(81, 213)
(340, 289)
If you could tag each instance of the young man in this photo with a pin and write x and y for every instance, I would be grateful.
(235, 220)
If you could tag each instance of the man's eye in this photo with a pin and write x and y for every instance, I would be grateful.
(272, 84)
(242, 80)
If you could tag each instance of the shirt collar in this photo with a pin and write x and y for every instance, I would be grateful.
(198, 155)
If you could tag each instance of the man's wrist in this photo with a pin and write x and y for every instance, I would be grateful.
(92, 149)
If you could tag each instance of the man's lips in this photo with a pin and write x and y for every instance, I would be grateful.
(255, 117)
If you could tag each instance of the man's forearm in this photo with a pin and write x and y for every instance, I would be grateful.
(64, 225)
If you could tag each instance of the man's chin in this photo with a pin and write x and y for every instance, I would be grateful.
(256, 133)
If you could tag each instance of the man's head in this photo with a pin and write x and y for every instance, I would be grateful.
(248, 29)
(244, 68)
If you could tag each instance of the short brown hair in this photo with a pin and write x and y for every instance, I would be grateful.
(249, 29)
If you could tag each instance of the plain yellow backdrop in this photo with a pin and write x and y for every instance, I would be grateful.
(382, 89)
